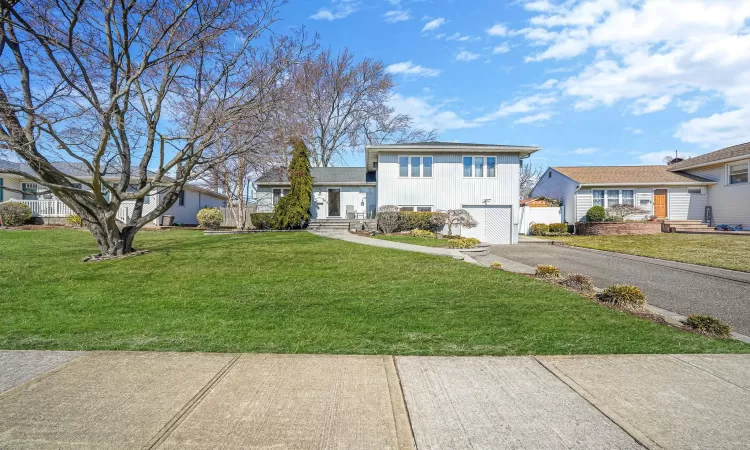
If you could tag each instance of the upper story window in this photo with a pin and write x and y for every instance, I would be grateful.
(415, 166)
(738, 173)
(480, 166)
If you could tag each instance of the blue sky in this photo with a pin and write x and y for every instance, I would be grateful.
(593, 82)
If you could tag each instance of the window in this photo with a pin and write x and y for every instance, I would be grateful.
(415, 166)
(613, 197)
(181, 200)
(467, 166)
(695, 191)
(628, 197)
(29, 191)
(415, 208)
(427, 166)
(478, 166)
(403, 166)
(277, 194)
(491, 162)
(598, 197)
(738, 173)
(1, 190)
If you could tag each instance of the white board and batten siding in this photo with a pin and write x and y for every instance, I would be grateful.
(730, 203)
(492, 201)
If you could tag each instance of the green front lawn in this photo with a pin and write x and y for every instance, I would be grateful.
(427, 242)
(727, 252)
(298, 293)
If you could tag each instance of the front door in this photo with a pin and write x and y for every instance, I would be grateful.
(334, 202)
(660, 203)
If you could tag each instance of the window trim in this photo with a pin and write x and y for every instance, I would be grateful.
(485, 165)
(699, 189)
(282, 193)
(728, 172)
(409, 166)
(620, 197)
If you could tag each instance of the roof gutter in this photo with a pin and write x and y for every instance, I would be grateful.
(710, 163)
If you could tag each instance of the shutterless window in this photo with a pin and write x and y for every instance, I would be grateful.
(403, 166)
(1, 190)
(491, 163)
(738, 173)
(424, 208)
(613, 198)
(416, 166)
(695, 191)
(406, 208)
(598, 197)
(628, 197)
(29, 191)
(427, 166)
(467, 166)
(478, 166)
(181, 201)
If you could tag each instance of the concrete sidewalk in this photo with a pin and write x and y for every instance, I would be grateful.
(233, 401)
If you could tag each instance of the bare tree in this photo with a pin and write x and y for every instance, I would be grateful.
(460, 217)
(529, 177)
(137, 88)
(344, 104)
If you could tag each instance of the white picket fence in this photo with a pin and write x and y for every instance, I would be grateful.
(56, 208)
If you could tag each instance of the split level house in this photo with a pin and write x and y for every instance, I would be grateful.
(712, 188)
(427, 176)
(46, 208)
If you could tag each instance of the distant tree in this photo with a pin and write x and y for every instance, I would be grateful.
(529, 177)
(293, 209)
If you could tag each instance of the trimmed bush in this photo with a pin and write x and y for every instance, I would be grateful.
(422, 234)
(264, 221)
(210, 218)
(14, 214)
(463, 243)
(545, 271)
(578, 282)
(596, 214)
(74, 221)
(388, 218)
(625, 296)
(497, 265)
(708, 325)
(558, 228)
(539, 229)
(430, 221)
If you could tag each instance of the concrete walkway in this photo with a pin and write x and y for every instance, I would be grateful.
(344, 235)
(236, 401)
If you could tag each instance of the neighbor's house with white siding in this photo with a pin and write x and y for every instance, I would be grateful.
(426, 176)
(680, 191)
(46, 208)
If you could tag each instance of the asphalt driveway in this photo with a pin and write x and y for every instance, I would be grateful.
(682, 288)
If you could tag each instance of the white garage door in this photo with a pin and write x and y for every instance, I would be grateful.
(495, 224)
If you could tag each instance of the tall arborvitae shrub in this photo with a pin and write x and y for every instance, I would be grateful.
(293, 210)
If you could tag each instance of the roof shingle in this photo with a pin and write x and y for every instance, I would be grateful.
(735, 151)
(328, 175)
(628, 174)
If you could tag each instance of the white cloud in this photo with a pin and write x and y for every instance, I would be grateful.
(396, 16)
(500, 49)
(692, 105)
(657, 158)
(433, 24)
(649, 105)
(534, 118)
(427, 115)
(465, 55)
(585, 151)
(459, 37)
(634, 130)
(410, 69)
(498, 30)
(649, 52)
(716, 130)
(339, 9)
(549, 84)
(521, 106)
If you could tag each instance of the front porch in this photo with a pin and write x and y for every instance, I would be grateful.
(55, 209)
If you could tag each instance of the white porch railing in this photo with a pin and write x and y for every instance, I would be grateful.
(56, 208)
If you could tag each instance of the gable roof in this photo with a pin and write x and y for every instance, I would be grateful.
(614, 175)
(729, 153)
(322, 175)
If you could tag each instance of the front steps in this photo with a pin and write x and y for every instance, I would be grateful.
(686, 226)
(341, 224)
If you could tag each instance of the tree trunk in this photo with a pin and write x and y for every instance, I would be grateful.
(111, 240)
